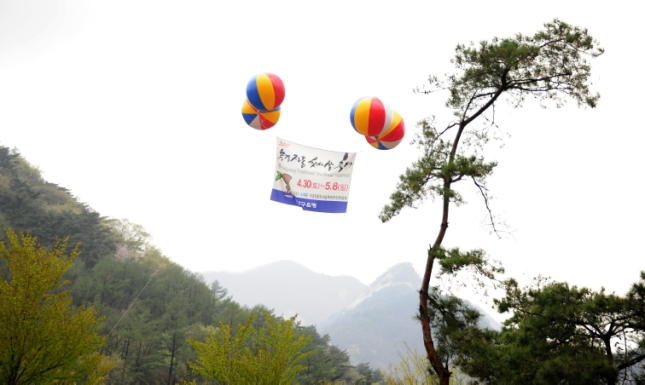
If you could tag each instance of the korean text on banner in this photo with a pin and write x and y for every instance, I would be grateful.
(314, 179)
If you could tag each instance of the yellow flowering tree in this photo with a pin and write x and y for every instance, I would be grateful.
(43, 338)
(260, 355)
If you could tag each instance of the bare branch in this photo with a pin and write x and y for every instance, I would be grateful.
(447, 128)
(484, 192)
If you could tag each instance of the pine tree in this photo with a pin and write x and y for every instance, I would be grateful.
(552, 66)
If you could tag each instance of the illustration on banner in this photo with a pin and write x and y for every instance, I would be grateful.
(286, 178)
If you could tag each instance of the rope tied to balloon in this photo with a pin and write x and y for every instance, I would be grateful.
(382, 127)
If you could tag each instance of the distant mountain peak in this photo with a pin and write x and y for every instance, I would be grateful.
(402, 274)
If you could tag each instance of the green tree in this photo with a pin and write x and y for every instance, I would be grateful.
(369, 376)
(263, 355)
(174, 323)
(560, 333)
(324, 362)
(131, 239)
(552, 66)
(43, 338)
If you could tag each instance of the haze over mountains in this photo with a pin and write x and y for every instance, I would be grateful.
(290, 288)
(371, 322)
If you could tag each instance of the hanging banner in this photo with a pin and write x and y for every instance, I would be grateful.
(314, 179)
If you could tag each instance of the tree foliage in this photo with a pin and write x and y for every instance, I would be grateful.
(368, 375)
(265, 355)
(557, 333)
(323, 362)
(551, 65)
(44, 338)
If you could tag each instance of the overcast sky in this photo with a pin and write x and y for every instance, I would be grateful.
(135, 107)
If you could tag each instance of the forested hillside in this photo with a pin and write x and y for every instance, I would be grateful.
(151, 305)
(28, 203)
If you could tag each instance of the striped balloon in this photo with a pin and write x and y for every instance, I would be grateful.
(265, 92)
(260, 120)
(392, 137)
(371, 116)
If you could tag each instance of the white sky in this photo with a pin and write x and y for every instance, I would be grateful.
(135, 107)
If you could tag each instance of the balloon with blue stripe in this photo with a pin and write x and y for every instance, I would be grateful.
(265, 92)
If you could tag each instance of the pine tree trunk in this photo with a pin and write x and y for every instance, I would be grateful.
(435, 361)
(172, 356)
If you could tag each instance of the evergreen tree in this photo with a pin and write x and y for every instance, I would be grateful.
(551, 65)
(560, 333)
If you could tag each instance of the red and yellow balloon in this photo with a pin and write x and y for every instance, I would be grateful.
(382, 127)
(392, 137)
(371, 116)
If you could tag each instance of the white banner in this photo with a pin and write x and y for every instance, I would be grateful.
(314, 179)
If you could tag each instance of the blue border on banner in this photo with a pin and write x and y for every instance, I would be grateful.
(308, 204)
